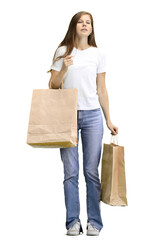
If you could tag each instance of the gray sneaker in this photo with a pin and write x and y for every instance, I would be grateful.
(91, 230)
(75, 230)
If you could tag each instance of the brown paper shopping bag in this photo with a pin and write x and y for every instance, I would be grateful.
(53, 118)
(113, 179)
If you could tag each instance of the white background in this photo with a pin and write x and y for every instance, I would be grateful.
(31, 180)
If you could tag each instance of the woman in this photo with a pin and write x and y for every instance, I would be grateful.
(78, 63)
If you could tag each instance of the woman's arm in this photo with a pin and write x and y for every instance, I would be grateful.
(103, 95)
(56, 78)
(104, 101)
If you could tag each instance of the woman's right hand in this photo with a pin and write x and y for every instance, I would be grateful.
(67, 61)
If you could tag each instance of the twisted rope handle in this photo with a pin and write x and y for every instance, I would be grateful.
(114, 138)
(61, 86)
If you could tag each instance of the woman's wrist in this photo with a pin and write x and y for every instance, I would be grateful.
(108, 120)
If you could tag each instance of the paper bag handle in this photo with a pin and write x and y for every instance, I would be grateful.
(61, 86)
(114, 138)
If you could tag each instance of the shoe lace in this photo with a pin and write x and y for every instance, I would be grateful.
(75, 226)
(91, 227)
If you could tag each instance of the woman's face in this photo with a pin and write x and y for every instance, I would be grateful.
(84, 27)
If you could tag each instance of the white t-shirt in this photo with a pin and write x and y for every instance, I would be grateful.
(82, 74)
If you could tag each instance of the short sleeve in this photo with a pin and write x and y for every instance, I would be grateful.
(101, 62)
(58, 64)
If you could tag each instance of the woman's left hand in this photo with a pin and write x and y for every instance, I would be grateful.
(112, 127)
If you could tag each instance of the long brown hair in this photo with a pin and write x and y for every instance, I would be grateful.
(69, 39)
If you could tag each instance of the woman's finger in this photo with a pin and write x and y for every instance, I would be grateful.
(68, 57)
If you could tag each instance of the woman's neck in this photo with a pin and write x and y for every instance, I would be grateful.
(82, 44)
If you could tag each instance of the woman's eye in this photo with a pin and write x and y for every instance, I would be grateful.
(87, 22)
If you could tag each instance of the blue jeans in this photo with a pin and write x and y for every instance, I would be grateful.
(91, 124)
